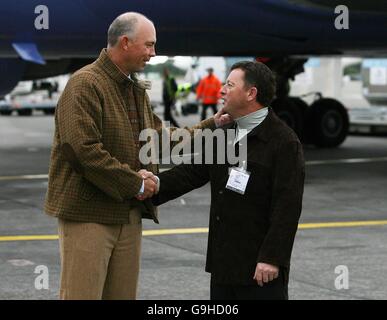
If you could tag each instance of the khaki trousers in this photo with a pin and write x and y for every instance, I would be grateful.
(100, 261)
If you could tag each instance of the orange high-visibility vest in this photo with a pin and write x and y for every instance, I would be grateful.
(209, 89)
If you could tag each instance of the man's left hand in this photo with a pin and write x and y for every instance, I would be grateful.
(221, 118)
(265, 272)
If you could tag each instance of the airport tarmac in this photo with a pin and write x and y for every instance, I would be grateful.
(343, 226)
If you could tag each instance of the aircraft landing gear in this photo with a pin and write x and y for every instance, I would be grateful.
(327, 123)
(324, 123)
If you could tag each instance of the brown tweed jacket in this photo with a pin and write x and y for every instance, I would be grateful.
(94, 159)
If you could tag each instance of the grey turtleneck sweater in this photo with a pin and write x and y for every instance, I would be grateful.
(248, 122)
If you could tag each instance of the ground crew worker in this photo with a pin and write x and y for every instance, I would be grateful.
(169, 97)
(208, 92)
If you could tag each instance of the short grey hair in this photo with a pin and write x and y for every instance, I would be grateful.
(124, 24)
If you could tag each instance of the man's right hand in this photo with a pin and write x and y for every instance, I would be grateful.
(145, 174)
(150, 184)
(265, 272)
(150, 188)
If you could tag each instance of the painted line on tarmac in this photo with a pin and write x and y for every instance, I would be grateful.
(338, 161)
(29, 238)
(342, 224)
(25, 177)
(161, 232)
(308, 163)
(155, 232)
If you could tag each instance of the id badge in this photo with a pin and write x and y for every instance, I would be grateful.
(238, 179)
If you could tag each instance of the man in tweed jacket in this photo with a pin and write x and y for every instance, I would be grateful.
(93, 176)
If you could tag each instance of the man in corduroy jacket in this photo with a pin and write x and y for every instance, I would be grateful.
(93, 176)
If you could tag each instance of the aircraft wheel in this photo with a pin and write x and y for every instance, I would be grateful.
(327, 123)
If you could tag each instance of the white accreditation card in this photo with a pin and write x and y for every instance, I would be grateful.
(238, 179)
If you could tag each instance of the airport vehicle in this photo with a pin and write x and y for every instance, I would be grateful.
(38, 41)
(28, 96)
(372, 118)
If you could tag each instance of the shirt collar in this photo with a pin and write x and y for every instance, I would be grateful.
(252, 119)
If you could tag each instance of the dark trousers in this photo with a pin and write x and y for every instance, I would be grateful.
(168, 115)
(204, 110)
(273, 290)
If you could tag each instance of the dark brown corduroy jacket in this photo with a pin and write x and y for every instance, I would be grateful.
(94, 160)
(260, 225)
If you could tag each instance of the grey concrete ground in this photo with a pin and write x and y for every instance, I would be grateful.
(173, 265)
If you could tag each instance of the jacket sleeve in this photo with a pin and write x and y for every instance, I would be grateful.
(79, 121)
(179, 180)
(185, 177)
(162, 130)
(286, 204)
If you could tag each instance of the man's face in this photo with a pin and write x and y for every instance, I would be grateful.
(142, 47)
(234, 93)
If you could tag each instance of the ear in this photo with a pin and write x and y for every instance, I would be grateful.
(125, 42)
(252, 94)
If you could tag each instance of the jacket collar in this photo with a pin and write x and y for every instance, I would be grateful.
(116, 74)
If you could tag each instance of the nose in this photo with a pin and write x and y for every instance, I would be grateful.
(152, 52)
(222, 90)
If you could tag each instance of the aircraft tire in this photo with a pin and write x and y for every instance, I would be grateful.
(327, 123)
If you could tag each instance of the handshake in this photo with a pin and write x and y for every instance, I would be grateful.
(150, 186)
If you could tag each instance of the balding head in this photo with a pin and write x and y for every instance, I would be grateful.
(125, 24)
(131, 42)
